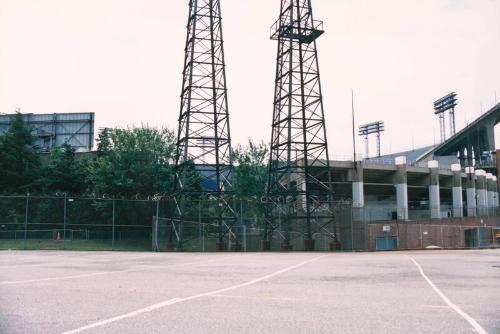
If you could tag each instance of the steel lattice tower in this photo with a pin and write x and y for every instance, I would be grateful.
(204, 157)
(299, 185)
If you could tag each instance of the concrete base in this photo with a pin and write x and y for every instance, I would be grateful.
(471, 202)
(402, 201)
(458, 212)
(435, 202)
(265, 246)
(471, 212)
(309, 245)
(221, 246)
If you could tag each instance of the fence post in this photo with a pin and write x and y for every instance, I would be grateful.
(64, 217)
(479, 237)
(201, 234)
(352, 231)
(203, 238)
(421, 238)
(113, 228)
(442, 237)
(244, 238)
(241, 211)
(157, 228)
(26, 220)
(367, 232)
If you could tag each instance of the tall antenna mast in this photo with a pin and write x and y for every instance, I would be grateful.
(204, 163)
(300, 183)
(353, 128)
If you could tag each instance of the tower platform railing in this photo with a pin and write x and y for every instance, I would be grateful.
(305, 33)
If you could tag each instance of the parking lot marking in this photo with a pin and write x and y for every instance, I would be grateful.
(185, 299)
(454, 307)
(47, 279)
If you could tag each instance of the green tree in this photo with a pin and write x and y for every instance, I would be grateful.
(104, 142)
(135, 162)
(251, 169)
(19, 163)
(64, 173)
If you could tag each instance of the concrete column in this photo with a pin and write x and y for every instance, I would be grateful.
(490, 185)
(458, 201)
(401, 183)
(358, 192)
(434, 196)
(481, 193)
(471, 192)
(495, 180)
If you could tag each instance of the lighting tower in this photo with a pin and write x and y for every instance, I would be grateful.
(299, 184)
(204, 166)
(441, 106)
(368, 129)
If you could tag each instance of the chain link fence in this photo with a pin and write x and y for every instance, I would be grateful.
(70, 223)
(204, 232)
(62, 222)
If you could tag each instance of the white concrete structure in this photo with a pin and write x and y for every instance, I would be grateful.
(497, 204)
(358, 192)
(401, 184)
(471, 192)
(434, 195)
(458, 206)
(481, 192)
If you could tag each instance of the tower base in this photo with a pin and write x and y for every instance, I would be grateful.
(265, 246)
(309, 245)
(221, 246)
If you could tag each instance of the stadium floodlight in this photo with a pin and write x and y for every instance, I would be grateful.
(368, 129)
(441, 106)
(445, 103)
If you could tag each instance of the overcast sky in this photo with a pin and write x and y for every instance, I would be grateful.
(122, 59)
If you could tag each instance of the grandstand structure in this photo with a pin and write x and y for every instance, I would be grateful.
(455, 179)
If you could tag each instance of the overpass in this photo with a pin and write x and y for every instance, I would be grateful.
(473, 146)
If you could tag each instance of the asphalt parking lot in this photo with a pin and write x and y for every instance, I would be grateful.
(394, 292)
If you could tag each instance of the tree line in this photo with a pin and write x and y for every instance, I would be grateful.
(130, 163)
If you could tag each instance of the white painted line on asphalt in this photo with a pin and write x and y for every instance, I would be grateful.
(253, 298)
(185, 299)
(454, 307)
(48, 279)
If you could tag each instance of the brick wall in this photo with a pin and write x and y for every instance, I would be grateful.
(445, 233)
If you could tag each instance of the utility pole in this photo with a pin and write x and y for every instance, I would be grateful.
(353, 128)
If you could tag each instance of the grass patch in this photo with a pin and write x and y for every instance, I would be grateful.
(91, 245)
